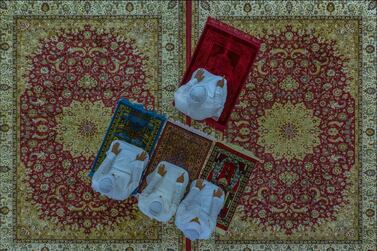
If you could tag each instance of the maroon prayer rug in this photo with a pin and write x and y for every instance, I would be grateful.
(225, 51)
(230, 170)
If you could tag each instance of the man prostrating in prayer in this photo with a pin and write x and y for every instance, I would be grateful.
(203, 96)
(120, 173)
(166, 187)
(197, 214)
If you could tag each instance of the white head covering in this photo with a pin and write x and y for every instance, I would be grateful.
(192, 231)
(156, 206)
(106, 185)
(198, 94)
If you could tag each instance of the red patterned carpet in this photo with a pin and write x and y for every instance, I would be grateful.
(67, 79)
(298, 116)
(307, 110)
(304, 122)
(69, 82)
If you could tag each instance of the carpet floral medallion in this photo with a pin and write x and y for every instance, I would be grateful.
(307, 110)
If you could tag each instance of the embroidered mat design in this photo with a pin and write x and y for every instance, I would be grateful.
(230, 170)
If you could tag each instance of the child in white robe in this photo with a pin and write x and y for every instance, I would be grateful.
(120, 173)
(203, 96)
(197, 214)
(165, 188)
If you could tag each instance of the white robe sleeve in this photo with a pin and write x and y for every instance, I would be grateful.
(184, 214)
(105, 166)
(136, 171)
(192, 82)
(137, 168)
(177, 196)
(219, 93)
(155, 179)
(216, 206)
(194, 191)
(186, 86)
(180, 96)
(218, 101)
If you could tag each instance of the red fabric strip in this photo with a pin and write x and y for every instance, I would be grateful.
(188, 58)
(188, 40)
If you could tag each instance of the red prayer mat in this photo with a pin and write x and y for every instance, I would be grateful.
(230, 170)
(225, 51)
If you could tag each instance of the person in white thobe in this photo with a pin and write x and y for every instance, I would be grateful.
(197, 214)
(120, 173)
(165, 188)
(203, 96)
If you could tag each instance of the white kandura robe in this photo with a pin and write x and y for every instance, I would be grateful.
(201, 204)
(165, 187)
(212, 107)
(123, 169)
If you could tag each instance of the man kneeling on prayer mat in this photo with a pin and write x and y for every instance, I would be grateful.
(120, 173)
(197, 214)
(203, 96)
(165, 188)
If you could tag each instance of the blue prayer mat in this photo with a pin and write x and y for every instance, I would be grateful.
(134, 124)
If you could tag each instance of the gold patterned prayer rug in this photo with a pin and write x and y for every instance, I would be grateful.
(308, 111)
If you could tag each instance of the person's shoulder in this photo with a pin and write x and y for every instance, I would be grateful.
(141, 200)
(180, 94)
(208, 106)
(165, 163)
(125, 146)
(175, 168)
(210, 184)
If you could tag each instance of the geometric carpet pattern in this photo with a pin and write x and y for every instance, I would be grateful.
(307, 110)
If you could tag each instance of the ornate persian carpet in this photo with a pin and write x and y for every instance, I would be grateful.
(308, 111)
